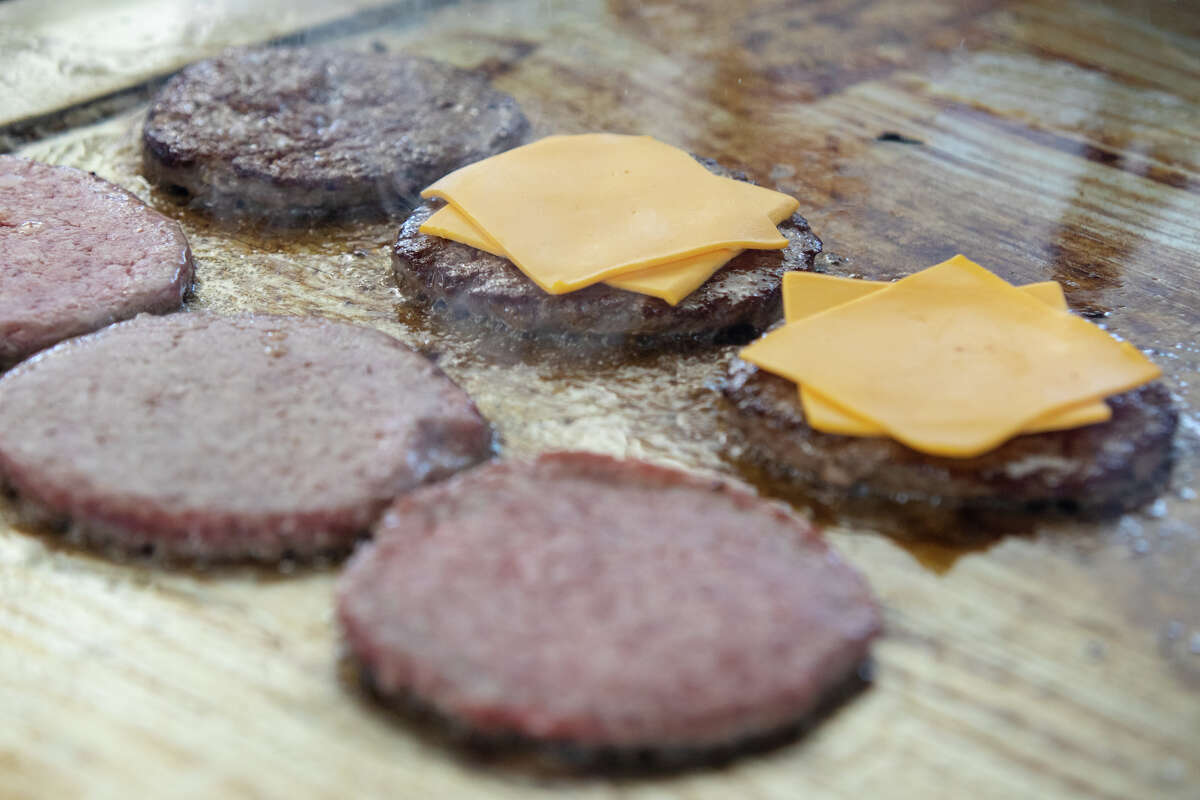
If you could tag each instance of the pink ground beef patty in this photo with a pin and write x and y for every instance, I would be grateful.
(208, 437)
(604, 604)
(78, 253)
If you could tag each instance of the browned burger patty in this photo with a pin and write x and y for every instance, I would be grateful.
(742, 298)
(302, 134)
(210, 437)
(1108, 467)
(609, 607)
(78, 253)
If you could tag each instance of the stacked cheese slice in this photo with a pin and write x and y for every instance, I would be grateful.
(951, 361)
(628, 211)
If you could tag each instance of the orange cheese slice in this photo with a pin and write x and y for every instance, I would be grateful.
(570, 211)
(952, 360)
(447, 223)
(826, 415)
(808, 293)
(671, 282)
(674, 280)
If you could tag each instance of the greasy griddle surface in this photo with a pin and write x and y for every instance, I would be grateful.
(1057, 659)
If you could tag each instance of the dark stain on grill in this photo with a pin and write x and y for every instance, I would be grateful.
(899, 138)
(1153, 165)
(564, 763)
(801, 65)
(514, 51)
(1084, 264)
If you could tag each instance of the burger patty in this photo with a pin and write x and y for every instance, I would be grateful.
(296, 135)
(604, 606)
(78, 253)
(1102, 468)
(208, 437)
(739, 300)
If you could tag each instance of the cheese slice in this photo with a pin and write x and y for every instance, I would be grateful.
(570, 211)
(952, 360)
(808, 293)
(826, 415)
(671, 282)
(674, 280)
(447, 223)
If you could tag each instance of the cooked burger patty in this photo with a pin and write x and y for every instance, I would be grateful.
(604, 605)
(296, 135)
(742, 298)
(212, 437)
(78, 253)
(1111, 466)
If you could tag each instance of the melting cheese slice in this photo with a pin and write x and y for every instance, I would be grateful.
(570, 211)
(826, 415)
(952, 360)
(671, 282)
(674, 280)
(447, 223)
(808, 293)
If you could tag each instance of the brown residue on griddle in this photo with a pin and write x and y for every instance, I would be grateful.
(935, 536)
(806, 51)
(899, 138)
(1085, 265)
(940, 558)
(512, 52)
(1117, 152)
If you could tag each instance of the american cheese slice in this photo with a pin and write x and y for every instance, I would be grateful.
(574, 210)
(671, 282)
(808, 293)
(952, 360)
(674, 280)
(826, 415)
(447, 223)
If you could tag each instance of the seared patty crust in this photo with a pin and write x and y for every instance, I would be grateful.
(78, 253)
(600, 605)
(741, 299)
(298, 135)
(1103, 468)
(211, 438)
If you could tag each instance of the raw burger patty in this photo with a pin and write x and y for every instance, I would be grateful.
(78, 253)
(214, 437)
(1109, 466)
(604, 604)
(297, 135)
(742, 298)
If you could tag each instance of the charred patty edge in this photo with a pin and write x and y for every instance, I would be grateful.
(570, 757)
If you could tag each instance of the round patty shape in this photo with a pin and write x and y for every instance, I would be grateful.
(296, 135)
(740, 299)
(1110, 466)
(211, 437)
(605, 604)
(78, 253)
